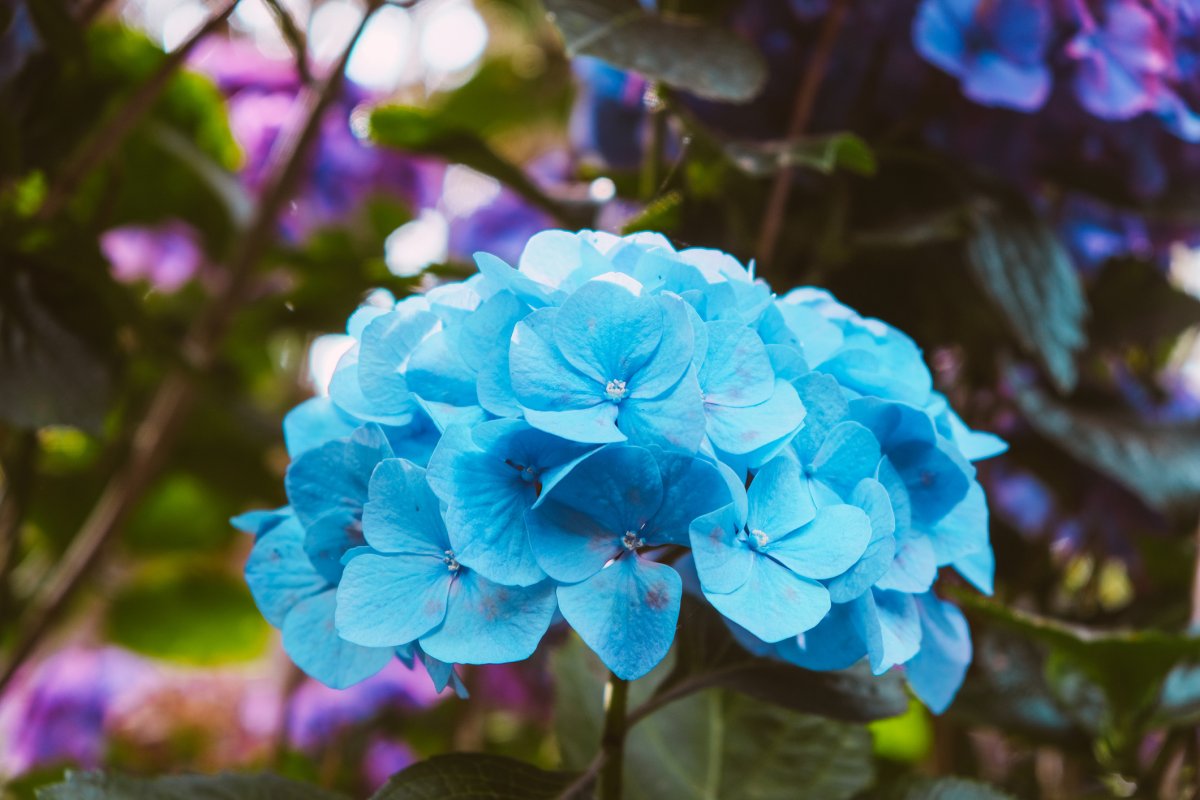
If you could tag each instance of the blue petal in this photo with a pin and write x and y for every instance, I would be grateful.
(279, 573)
(779, 503)
(675, 353)
(870, 496)
(592, 425)
(541, 378)
(980, 569)
(386, 601)
(744, 430)
(914, 566)
(486, 498)
(964, 530)
(442, 674)
(312, 643)
(487, 623)
(561, 259)
(893, 628)
(833, 644)
(723, 563)
(674, 421)
(330, 538)
(736, 370)
(607, 332)
(993, 80)
(626, 613)
(261, 522)
(936, 672)
(403, 515)
(346, 392)
(825, 547)
(387, 345)
(774, 603)
(521, 285)
(437, 373)
(332, 479)
(849, 454)
(825, 406)
(691, 487)
(313, 423)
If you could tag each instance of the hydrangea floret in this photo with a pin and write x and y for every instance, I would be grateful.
(583, 438)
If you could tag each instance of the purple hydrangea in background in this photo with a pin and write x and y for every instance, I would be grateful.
(60, 710)
(166, 256)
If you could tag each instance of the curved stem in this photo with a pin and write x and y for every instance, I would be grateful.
(612, 740)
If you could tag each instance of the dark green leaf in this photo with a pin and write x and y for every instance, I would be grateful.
(943, 789)
(99, 786)
(476, 776)
(821, 153)
(1029, 276)
(1159, 463)
(687, 54)
(417, 130)
(1130, 667)
(707, 656)
(662, 215)
(57, 27)
(1132, 302)
(182, 613)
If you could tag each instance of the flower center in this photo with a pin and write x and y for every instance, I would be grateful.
(615, 390)
(632, 541)
(528, 474)
(760, 537)
(451, 562)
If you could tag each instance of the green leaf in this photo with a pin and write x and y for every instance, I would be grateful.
(181, 513)
(1160, 463)
(709, 744)
(416, 130)
(943, 789)
(906, 738)
(821, 153)
(1130, 667)
(477, 776)
(1029, 276)
(100, 786)
(187, 614)
(706, 655)
(663, 215)
(685, 53)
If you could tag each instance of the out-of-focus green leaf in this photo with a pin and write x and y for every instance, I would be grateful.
(821, 153)
(685, 53)
(416, 130)
(662, 215)
(706, 655)
(1158, 462)
(1029, 276)
(1132, 302)
(906, 738)
(476, 776)
(100, 786)
(943, 789)
(188, 614)
(179, 514)
(709, 744)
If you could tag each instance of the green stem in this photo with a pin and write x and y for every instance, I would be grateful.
(651, 175)
(612, 740)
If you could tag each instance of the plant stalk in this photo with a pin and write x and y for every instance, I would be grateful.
(612, 740)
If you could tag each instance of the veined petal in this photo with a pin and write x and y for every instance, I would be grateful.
(774, 603)
(608, 333)
(736, 370)
(312, 643)
(541, 378)
(279, 572)
(387, 601)
(779, 501)
(674, 421)
(487, 623)
(741, 430)
(722, 561)
(674, 354)
(403, 515)
(938, 669)
(825, 547)
(849, 454)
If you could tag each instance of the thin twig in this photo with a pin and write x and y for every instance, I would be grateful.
(294, 36)
(806, 98)
(157, 432)
(123, 120)
(574, 791)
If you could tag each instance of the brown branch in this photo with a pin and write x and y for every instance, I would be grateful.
(806, 98)
(156, 433)
(123, 120)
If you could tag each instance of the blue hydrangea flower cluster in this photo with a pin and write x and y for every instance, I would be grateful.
(590, 434)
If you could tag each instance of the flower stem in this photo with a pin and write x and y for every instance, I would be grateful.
(612, 740)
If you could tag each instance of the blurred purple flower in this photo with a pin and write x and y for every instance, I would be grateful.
(18, 38)
(503, 225)
(318, 713)
(608, 118)
(996, 48)
(383, 759)
(1123, 60)
(166, 256)
(58, 712)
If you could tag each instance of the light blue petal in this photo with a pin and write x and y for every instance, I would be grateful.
(387, 345)
(964, 530)
(774, 603)
(524, 287)
(825, 547)
(747, 429)
(825, 406)
(561, 259)
(437, 373)
(313, 423)
(626, 613)
(494, 386)
(937, 480)
(778, 500)
(674, 355)
(914, 566)
(487, 623)
(980, 569)
(691, 487)
(723, 562)
(541, 378)
(261, 522)
(328, 539)
(346, 393)
(936, 672)
(442, 674)
(387, 601)
(833, 644)
(894, 628)
(488, 330)
(736, 370)
(402, 515)
(674, 421)
(279, 573)
(312, 643)
(607, 332)
(332, 478)
(849, 454)
(870, 496)
(593, 425)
